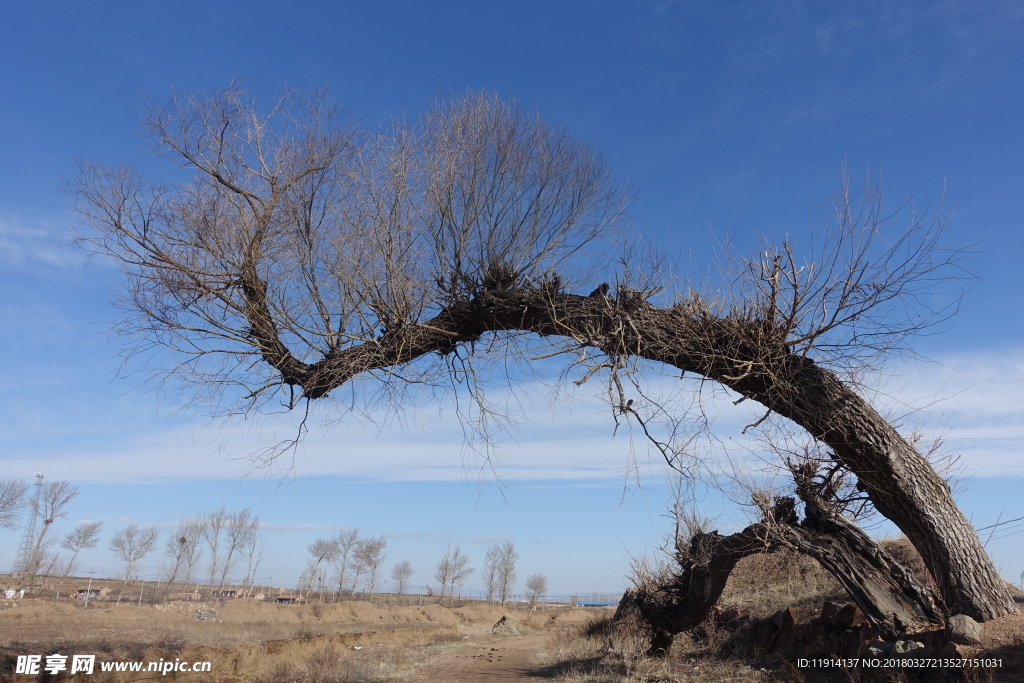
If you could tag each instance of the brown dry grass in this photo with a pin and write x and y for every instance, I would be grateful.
(762, 584)
(247, 640)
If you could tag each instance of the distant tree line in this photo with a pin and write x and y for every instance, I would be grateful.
(204, 549)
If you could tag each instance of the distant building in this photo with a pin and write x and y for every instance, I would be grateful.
(229, 594)
(188, 597)
(290, 599)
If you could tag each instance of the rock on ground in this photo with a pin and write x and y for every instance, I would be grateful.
(963, 630)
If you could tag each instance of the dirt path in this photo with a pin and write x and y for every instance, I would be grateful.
(498, 659)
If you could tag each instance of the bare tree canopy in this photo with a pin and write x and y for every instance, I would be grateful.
(12, 500)
(347, 541)
(50, 504)
(506, 574)
(321, 550)
(536, 587)
(452, 570)
(184, 548)
(369, 555)
(304, 242)
(213, 527)
(131, 544)
(242, 526)
(400, 574)
(490, 571)
(83, 537)
(304, 254)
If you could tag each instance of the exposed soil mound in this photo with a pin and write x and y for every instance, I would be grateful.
(506, 626)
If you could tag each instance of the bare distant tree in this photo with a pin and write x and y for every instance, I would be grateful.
(242, 525)
(184, 548)
(460, 571)
(400, 574)
(131, 544)
(50, 503)
(443, 572)
(370, 555)
(195, 525)
(452, 570)
(213, 528)
(347, 541)
(12, 500)
(83, 537)
(357, 564)
(307, 577)
(254, 555)
(49, 563)
(507, 558)
(491, 572)
(536, 587)
(322, 550)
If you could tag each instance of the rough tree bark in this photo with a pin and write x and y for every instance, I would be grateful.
(886, 592)
(748, 356)
(686, 600)
(888, 595)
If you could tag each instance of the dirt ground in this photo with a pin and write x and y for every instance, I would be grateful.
(500, 659)
(248, 641)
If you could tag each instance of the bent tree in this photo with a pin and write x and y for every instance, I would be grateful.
(304, 259)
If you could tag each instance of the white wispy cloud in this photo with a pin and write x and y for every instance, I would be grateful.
(971, 399)
(974, 401)
(34, 242)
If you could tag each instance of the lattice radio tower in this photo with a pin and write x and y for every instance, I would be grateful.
(28, 540)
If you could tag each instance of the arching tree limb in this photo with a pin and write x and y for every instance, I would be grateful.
(899, 481)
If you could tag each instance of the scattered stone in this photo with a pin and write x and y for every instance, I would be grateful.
(908, 648)
(206, 615)
(506, 626)
(963, 630)
(784, 619)
(950, 651)
(765, 634)
(744, 670)
(735, 625)
(726, 615)
(845, 617)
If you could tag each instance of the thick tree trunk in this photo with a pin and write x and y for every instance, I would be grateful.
(686, 600)
(902, 486)
(745, 355)
(888, 594)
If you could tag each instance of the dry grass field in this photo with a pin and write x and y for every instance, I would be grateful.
(249, 641)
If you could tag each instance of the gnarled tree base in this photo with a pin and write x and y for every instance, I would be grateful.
(887, 593)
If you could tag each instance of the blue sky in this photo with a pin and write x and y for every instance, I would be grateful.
(730, 118)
